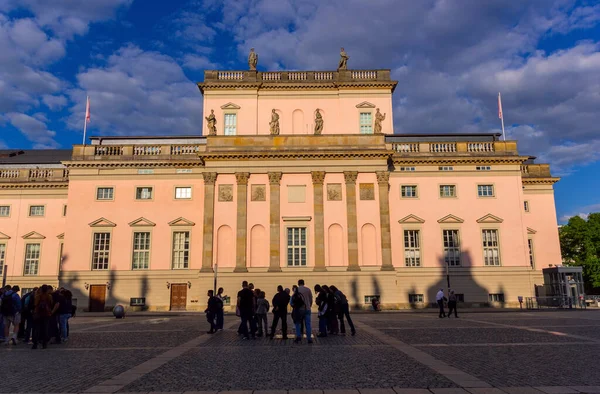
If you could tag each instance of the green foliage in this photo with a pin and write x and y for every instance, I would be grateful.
(580, 246)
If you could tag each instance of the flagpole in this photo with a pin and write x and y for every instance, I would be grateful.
(501, 115)
(85, 119)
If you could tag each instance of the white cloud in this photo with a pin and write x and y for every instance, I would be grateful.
(582, 212)
(196, 62)
(54, 102)
(34, 130)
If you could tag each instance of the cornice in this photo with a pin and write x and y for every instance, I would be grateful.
(222, 156)
(203, 86)
(34, 185)
(540, 181)
(120, 163)
(404, 160)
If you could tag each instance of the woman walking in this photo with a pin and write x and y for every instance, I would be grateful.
(452, 299)
(220, 313)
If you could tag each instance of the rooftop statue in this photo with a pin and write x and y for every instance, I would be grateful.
(378, 119)
(343, 64)
(274, 123)
(211, 123)
(252, 60)
(318, 123)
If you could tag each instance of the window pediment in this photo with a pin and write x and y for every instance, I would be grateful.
(181, 222)
(296, 218)
(142, 222)
(4, 236)
(230, 106)
(33, 235)
(61, 236)
(531, 231)
(411, 219)
(451, 219)
(102, 222)
(365, 104)
(489, 218)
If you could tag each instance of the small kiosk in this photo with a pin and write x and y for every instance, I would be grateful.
(563, 288)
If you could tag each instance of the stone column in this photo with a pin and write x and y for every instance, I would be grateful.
(383, 179)
(242, 222)
(317, 178)
(350, 180)
(209, 216)
(275, 221)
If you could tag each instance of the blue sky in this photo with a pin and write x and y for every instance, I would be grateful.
(138, 60)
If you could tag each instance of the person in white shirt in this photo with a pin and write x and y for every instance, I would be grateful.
(440, 301)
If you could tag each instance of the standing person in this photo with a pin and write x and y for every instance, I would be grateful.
(11, 314)
(344, 310)
(64, 313)
(302, 303)
(332, 323)
(28, 306)
(280, 304)
(220, 313)
(41, 316)
(452, 299)
(294, 290)
(323, 309)
(212, 308)
(57, 300)
(440, 301)
(2, 291)
(262, 309)
(246, 305)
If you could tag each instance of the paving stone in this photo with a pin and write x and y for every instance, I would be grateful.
(270, 392)
(377, 391)
(305, 392)
(485, 390)
(556, 390)
(340, 392)
(520, 390)
(448, 391)
(400, 390)
(587, 389)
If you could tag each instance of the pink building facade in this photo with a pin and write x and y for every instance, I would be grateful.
(298, 175)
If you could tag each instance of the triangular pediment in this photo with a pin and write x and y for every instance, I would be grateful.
(411, 219)
(181, 222)
(365, 104)
(4, 236)
(33, 235)
(142, 222)
(230, 106)
(450, 219)
(489, 218)
(531, 231)
(102, 222)
(61, 236)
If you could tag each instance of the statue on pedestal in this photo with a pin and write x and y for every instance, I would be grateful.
(378, 119)
(252, 60)
(274, 123)
(343, 64)
(211, 124)
(318, 123)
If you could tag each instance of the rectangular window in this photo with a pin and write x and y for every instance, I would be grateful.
(64, 210)
(526, 206)
(141, 251)
(491, 248)
(499, 297)
(483, 168)
(366, 123)
(32, 259)
(4, 211)
(415, 298)
(412, 248)
(230, 124)
(446, 168)
(37, 210)
(183, 193)
(2, 258)
(181, 249)
(407, 169)
(105, 193)
(296, 246)
(140, 301)
(447, 191)
(369, 299)
(531, 257)
(408, 191)
(101, 251)
(451, 248)
(143, 193)
(485, 190)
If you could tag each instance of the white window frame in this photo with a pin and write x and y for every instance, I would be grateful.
(2, 257)
(179, 195)
(531, 247)
(496, 297)
(101, 243)
(105, 193)
(4, 211)
(180, 249)
(451, 243)
(485, 191)
(446, 168)
(296, 250)
(415, 298)
(140, 259)
(411, 239)
(364, 126)
(491, 247)
(140, 193)
(31, 263)
(447, 191)
(405, 188)
(41, 211)
(228, 128)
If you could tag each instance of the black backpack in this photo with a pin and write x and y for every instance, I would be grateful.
(298, 300)
(7, 308)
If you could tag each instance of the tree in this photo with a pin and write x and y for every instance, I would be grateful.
(580, 246)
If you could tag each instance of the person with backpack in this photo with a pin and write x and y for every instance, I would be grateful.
(262, 309)
(213, 307)
(64, 313)
(41, 316)
(302, 301)
(344, 310)
(332, 323)
(28, 304)
(11, 314)
(323, 308)
(280, 304)
(246, 303)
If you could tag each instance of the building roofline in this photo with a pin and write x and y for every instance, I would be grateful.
(145, 137)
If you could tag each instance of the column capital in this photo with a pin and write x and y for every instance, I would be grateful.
(383, 177)
(209, 178)
(242, 178)
(318, 177)
(350, 177)
(275, 177)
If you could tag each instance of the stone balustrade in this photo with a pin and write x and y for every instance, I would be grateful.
(136, 152)
(34, 175)
(459, 147)
(212, 76)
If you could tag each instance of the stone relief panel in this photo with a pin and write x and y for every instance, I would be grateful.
(334, 192)
(225, 193)
(258, 193)
(367, 191)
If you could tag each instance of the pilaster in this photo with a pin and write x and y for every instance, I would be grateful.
(318, 177)
(242, 222)
(209, 219)
(350, 180)
(383, 180)
(275, 221)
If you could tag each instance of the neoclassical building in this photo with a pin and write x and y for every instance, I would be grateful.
(294, 175)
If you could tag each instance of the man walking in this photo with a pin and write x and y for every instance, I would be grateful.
(342, 300)
(280, 302)
(11, 313)
(440, 301)
(246, 306)
(302, 302)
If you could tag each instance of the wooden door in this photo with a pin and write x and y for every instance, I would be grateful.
(178, 297)
(97, 298)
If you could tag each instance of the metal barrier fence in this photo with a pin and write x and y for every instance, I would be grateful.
(556, 302)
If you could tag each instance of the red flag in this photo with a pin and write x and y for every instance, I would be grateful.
(87, 110)
(499, 107)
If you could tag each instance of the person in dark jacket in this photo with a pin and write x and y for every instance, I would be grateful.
(344, 310)
(64, 313)
(452, 300)
(27, 315)
(280, 304)
(41, 316)
(323, 310)
(213, 307)
(332, 324)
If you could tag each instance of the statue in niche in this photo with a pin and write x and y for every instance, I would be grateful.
(343, 64)
(252, 60)
(274, 123)
(318, 123)
(378, 119)
(211, 123)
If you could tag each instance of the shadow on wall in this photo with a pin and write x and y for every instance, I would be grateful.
(357, 302)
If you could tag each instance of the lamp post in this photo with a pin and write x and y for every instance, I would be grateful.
(448, 275)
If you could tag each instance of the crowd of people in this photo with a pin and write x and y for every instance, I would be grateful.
(253, 308)
(35, 317)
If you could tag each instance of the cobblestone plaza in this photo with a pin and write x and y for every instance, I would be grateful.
(483, 352)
